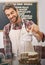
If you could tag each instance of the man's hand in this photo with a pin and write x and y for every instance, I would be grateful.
(35, 30)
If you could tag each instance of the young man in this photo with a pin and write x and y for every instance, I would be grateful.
(11, 32)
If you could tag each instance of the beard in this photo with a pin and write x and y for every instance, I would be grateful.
(14, 19)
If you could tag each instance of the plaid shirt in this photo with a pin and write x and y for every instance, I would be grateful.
(6, 39)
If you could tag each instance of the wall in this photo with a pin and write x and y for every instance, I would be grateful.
(41, 18)
(41, 11)
(18, 0)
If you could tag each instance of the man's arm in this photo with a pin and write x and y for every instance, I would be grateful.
(7, 43)
(31, 26)
(37, 33)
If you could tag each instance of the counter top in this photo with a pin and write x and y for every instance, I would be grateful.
(14, 61)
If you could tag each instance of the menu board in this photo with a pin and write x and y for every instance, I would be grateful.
(27, 10)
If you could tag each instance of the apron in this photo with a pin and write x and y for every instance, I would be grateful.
(20, 41)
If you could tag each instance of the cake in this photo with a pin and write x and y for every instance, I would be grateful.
(26, 57)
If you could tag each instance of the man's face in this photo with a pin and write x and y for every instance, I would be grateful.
(11, 14)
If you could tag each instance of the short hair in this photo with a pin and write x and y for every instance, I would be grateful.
(9, 5)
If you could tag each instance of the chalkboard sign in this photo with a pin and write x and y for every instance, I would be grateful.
(27, 10)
